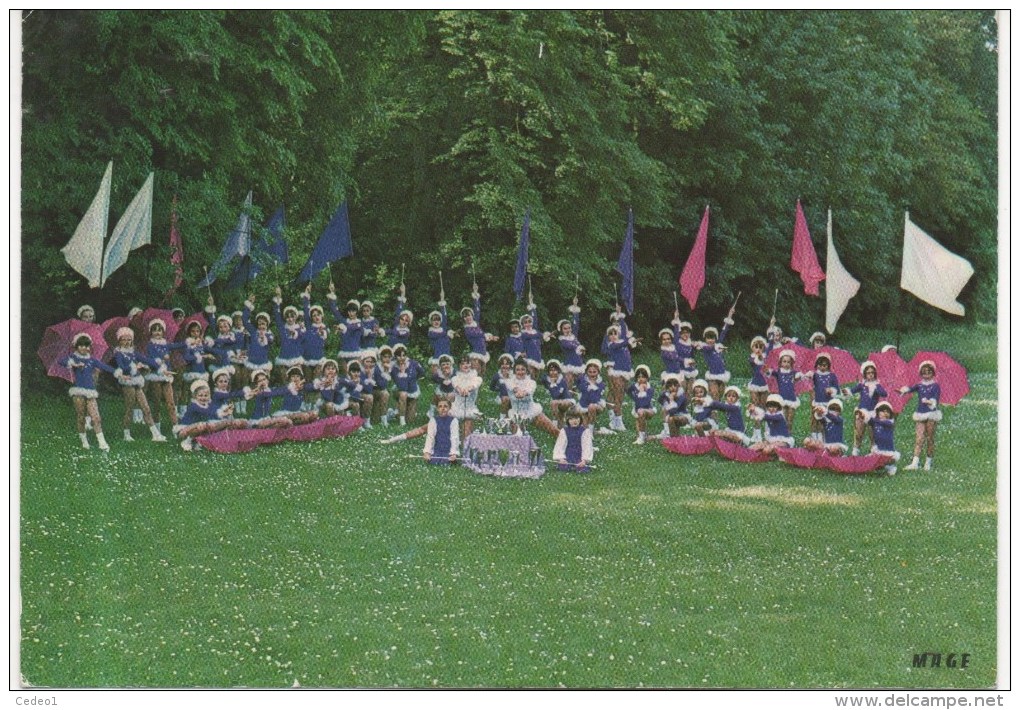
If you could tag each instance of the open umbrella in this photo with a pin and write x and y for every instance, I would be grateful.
(893, 373)
(844, 364)
(951, 375)
(801, 458)
(852, 465)
(803, 360)
(58, 342)
(736, 452)
(689, 445)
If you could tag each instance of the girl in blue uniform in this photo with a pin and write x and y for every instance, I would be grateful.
(370, 330)
(685, 349)
(786, 378)
(672, 363)
(130, 368)
(292, 338)
(532, 339)
(758, 387)
(500, 380)
(712, 349)
(870, 392)
(406, 373)
(574, 449)
(380, 379)
(830, 416)
(160, 382)
(926, 416)
(442, 436)
(328, 385)
(475, 335)
(617, 347)
(261, 394)
(642, 393)
(259, 339)
(561, 401)
(402, 320)
(200, 417)
(730, 407)
(673, 403)
(293, 398)
(591, 392)
(439, 336)
(239, 356)
(701, 408)
(883, 431)
(83, 392)
(442, 379)
(825, 386)
(349, 325)
(568, 332)
(777, 433)
(313, 351)
(223, 398)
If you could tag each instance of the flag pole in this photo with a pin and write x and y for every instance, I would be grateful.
(474, 280)
(774, 304)
(207, 284)
(531, 295)
(676, 303)
(734, 306)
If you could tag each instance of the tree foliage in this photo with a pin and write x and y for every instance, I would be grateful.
(443, 127)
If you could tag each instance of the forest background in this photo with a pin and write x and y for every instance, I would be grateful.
(442, 127)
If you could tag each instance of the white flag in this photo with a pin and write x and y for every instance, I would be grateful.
(132, 231)
(84, 252)
(840, 286)
(931, 272)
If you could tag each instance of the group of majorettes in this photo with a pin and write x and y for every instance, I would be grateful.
(230, 369)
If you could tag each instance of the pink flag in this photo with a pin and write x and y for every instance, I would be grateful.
(176, 253)
(804, 260)
(692, 278)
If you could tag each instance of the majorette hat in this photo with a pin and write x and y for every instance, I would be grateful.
(642, 368)
(385, 349)
(527, 317)
(221, 372)
(197, 385)
(435, 314)
(255, 374)
(409, 314)
(219, 319)
(786, 352)
(514, 321)
(699, 383)
(353, 366)
(884, 405)
(505, 357)
(666, 331)
(296, 370)
(823, 356)
(134, 312)
(315, 309)
(593, 361)
(159, 321)
(817, 335)
(866, 364)
(445, 358)
(759, 339)
(238, 314)
(177, 312)
(731, 388)
(330, 361)
(924, 363)
(287, 311)
(672, 378)
(369, 304)
(467, 311)
(352, 305)
(710, 329)
(684, 325)
(887, 348)
(774, 399)
(81, 336)
(124, 331)
(399, 349)
(562, 322)
(554, 363)
(81, 310)
(261, 315)
(835, 403)
(613, 329)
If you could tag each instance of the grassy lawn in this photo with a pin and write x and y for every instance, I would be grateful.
(343, 563)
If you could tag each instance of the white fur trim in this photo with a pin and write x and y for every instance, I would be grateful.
(484, 357)
(196, 376)
(724, 377)
(83, 392)
(895, 454)
(290, 361)
(744, 438)
(156, 377)
(791, 403)
(625, 374)
(934, 416)
(788, 440)
(262, 367)
(757, 388)
(197, 385)
(538, 364)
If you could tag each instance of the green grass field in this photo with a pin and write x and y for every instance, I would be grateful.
(343, 563)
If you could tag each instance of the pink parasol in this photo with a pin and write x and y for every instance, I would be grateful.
(801, 458)
(736, 452)
(852, 465)
(689, 445)
(58, 343)
(235, 441)
(844, 364)
(803, 360)
(951, 375)
(893, 373)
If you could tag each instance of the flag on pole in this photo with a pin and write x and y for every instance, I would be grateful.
(335, 243)
(84, 251)
(238, 244)
(803, 259)
(931, 272)
(263, 252)
(277, 250)
(176, 253)
(133, 230)
(625, 265)
(521, 274)
(692, 278)
(840, 286)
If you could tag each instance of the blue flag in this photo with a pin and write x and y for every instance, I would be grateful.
(277, 251)
(521, 275)
(334, 244)
(238, 244)
(626, 265)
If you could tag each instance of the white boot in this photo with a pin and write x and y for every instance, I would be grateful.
(640, 438)
(891, 469)
(84, 440)
(88, 423)
(855, 452)
(156, 434)
(103, 446)
(403, 421)
(136, 416)
(913, 465)
(127, 435)
(927, 463)
(385, 420)
(186, 443)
